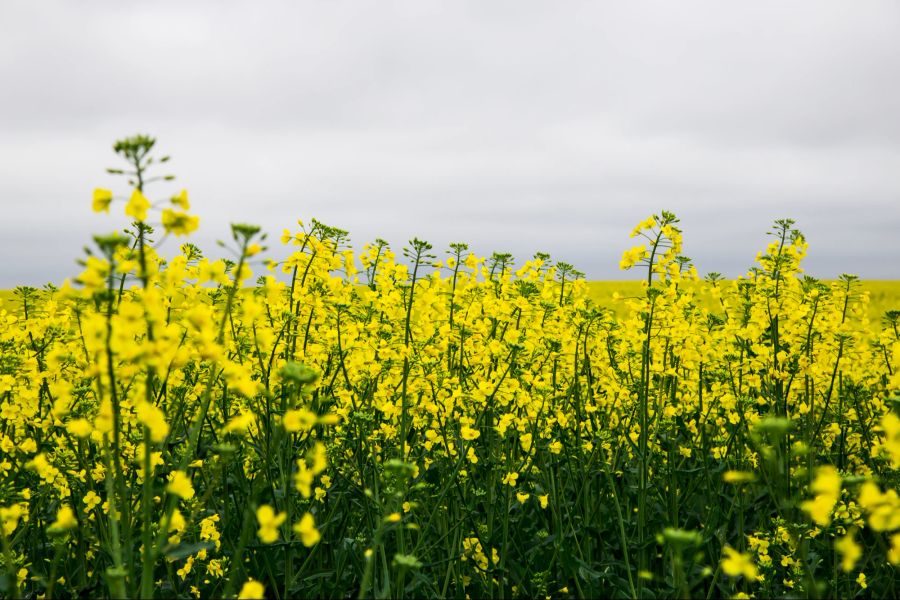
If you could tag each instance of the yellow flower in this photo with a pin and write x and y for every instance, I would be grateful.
(735, 564)
(179, 223)
(299, 420)
(648, 223)
(181, 200)
(176, 526)
(510, 479)
(861, 580)
(522, 497)
(91, 500)
(214, 568)
(544, 499)
(883, 509)
(137, 206)
(827, 490)
(208, 531)
(79, 428)
(632, 256)
(393, 518)
(827, 481)
(738, 477)
(42, 466)
(102, 198)
(469, 433)
(155, 420)
(180, 485)
(185, 570)
(894, 552)
(9, 517)
(239, 423)
(306, 529)
(269, 522)
(317, 458)
(65, 520)
(891, 426)
(850, 551)
(252, 590)
(525, 442)
(303, 479)
(819, 508)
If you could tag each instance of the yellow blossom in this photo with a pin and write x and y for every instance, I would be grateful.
(137, 206)
(850, 551)
(299, 420)
(735, 564)
(155, 420)
(306, 529)
(239, 423)
(180, 485)
(91, 501)
(738, 477)
(827, 490)
(894, 551)
(269, 522)
(510, 479)
(79, 428)
(65, 520)
(102, 199)
(9, 516)
(179, 223)
(252, 590)
(468, 433)
(181, 200)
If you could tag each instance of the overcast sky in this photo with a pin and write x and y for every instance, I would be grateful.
(513, 126)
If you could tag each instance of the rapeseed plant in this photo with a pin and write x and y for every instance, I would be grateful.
(347, 423)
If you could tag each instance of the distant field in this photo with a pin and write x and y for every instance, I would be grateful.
(883, 295)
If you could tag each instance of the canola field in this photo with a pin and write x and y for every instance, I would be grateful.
(882, 295)
(313, 420)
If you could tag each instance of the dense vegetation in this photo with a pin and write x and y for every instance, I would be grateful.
(354, 425)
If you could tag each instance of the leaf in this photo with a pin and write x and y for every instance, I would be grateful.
(586, 572)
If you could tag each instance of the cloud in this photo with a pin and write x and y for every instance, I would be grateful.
(518, 126)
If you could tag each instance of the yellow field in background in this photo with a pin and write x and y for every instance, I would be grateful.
(884, 295)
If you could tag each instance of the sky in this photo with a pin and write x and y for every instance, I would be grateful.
(514, 126)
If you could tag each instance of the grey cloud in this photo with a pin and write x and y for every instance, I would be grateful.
(517, 126)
